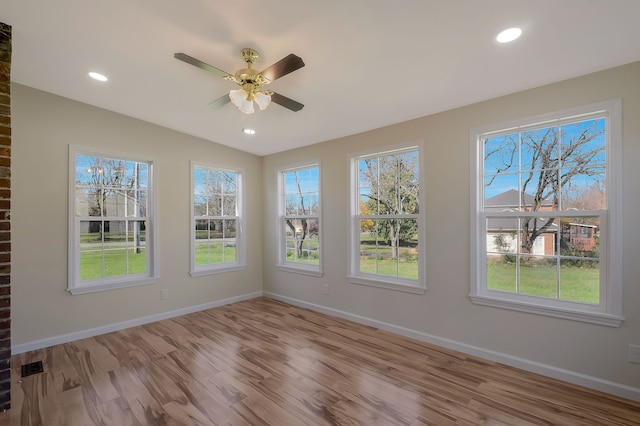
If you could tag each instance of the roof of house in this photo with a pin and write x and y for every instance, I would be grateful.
(511, 199)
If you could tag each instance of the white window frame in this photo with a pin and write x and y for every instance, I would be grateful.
(609, 311)
(75, 285)
(240, 262)
(282, 263)
(417, 286)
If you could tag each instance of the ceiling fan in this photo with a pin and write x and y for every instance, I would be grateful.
(251, 82)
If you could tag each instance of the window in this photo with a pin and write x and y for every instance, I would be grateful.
(111, 222)
(545, 215)
(299, 219)
(217, 244)
(386, 220)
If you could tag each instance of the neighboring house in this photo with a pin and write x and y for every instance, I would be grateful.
(505, 228)
(572, 235)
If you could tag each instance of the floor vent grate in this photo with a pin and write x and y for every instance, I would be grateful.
(31, 368)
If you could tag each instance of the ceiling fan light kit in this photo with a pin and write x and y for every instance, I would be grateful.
(251, 82)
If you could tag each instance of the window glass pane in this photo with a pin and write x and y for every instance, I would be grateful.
(230, 183)
(87, 203)
(389, 184)
(202, 229)
(502, 237)
(302, 240)
(538, 276)
(539, 190)
(293, 205)
(88, 171)
(214, 204)
(202, 252)
(137, 260)
(115, 260)
(584, 143)
(538, 235)
(229, 229)
(90, 250)
(580, 237)
(501, 192)
(585, 191)
(135, 175)
(229, 243)
(216, 229)
(501, 272)
(113, 173)
(580, 280)
(115, 203)
(199, 205)
(539, 149)
(136, 203)
(136, 247)
(229, 205)
(501, 154)
(389, 247)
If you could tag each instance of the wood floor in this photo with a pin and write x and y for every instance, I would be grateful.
(262, 362)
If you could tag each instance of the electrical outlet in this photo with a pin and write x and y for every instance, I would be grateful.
(634, 353)
(326, 289)
(164, 294)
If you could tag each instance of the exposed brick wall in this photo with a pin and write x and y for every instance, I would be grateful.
(5, 216)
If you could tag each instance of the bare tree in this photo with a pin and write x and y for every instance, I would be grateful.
(108, 182)
(301, 210)
(554, 159)
(392, 188)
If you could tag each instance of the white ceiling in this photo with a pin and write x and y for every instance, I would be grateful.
(369, 63)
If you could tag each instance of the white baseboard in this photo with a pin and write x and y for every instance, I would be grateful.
(56, 340)
(591, 382)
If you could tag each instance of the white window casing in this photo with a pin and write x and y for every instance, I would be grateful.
(216, 202)
(112, 221)
(607, 310)
(299, 242)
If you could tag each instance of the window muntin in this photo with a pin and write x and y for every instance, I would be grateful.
(216, 237)
(112, 222)
(300, 219)
(542, 224)
(385, 224)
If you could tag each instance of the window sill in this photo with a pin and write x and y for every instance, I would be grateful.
(110, 286)
(300, 270)
(539, 309)
(408, 288)
(219, 270)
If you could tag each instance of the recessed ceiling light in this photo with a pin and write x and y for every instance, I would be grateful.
(248, 131)
(98, 76)
(509, 35)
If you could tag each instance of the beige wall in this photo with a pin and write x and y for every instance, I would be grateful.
(44, 125)
(445, 310)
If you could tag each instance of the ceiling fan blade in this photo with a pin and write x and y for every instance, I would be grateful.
(286, 102)
(198, 63)
(284, 66)
(222, 100)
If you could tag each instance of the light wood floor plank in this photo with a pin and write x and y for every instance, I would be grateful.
(263, 362)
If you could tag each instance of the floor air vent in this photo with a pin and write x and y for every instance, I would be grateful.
(31, 368)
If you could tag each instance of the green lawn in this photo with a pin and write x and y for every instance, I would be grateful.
(580, 284)
(310, 253)
(404, 267)
(116, 262)
(214, 252)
